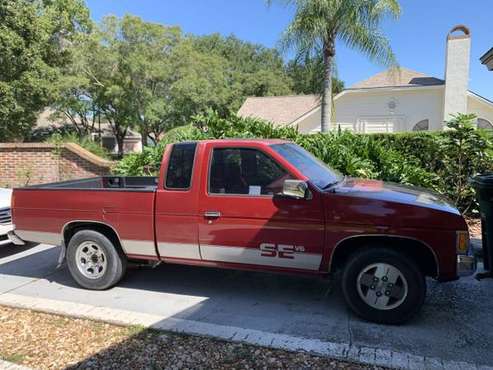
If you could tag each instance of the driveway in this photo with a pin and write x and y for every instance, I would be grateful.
(454, 328)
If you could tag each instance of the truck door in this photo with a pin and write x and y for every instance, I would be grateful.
(244, 222)
(176, 217)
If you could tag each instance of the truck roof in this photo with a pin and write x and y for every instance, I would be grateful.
(240, 141)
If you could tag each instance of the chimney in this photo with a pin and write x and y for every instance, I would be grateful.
(457, 71)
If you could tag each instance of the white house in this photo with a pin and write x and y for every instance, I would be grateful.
(390, 101)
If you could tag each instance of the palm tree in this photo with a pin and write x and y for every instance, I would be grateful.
(317, 24)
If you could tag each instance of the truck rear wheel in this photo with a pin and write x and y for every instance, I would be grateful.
(93, 261)
(383, 286)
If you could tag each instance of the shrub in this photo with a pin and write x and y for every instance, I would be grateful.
(466, 151)
(441, 161)
(213, 126)
(44, 134)
(148, 162)
(85, 142)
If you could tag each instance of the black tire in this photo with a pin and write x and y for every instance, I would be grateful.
(116, 261)
(407, 305)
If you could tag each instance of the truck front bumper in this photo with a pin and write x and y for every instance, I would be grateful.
(7, 235)
(4, 233)
(466, 265)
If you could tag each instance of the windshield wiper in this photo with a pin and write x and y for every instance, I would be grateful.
(333, 183)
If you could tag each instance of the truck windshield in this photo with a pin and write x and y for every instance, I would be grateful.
(317, 171)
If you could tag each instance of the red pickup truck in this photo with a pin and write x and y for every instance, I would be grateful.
(262, 205)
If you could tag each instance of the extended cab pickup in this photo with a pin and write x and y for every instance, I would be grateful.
(263, 205)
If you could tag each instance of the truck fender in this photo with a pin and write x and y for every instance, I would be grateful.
(388, 238)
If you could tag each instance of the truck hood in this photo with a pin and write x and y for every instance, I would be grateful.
(391, 192)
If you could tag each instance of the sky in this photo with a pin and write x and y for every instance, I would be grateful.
(417, 37)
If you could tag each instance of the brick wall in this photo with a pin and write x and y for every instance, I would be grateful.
(36, 163)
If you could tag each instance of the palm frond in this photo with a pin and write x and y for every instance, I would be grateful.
(370, 42)
(388, 7)
(318, 22)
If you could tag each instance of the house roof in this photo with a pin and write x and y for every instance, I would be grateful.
(288, 109)
(48, 119)
(279, 109)
(402, 77)
(487, 59)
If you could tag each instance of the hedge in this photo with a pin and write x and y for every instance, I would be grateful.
(440, 161)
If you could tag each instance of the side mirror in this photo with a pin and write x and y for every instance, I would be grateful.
(297, 189)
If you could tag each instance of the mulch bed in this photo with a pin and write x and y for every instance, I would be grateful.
(46, 341)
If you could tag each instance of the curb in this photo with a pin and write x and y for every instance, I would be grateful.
(339, 351)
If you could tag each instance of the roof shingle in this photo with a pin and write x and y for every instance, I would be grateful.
(279, 109)
(398, 78)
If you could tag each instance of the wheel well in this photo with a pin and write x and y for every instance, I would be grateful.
(418, 251)
(72, 228)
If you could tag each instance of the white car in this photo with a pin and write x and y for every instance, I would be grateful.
(6, 226)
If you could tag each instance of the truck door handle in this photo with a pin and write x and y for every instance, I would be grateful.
(212, 214)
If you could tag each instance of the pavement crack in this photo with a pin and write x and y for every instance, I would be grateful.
(350, 331)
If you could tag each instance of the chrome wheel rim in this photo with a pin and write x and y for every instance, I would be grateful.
(91, 260)
(382, 286)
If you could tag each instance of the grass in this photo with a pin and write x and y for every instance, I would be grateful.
(135, 330)
(16, 358)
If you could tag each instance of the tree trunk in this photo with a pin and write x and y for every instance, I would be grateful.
(327, 89)
(144, 132)
(120, 138)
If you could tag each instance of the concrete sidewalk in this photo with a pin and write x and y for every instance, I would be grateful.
(5, 365)
(280, 311)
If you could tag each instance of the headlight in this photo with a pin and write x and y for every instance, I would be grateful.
(462, 244)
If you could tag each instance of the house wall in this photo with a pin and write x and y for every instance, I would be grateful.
(131, 144)
(24, 164)
(310, 123)
(411, 106)
(480, 108)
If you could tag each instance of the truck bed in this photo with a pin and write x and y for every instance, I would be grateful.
(121, 183)
(126, 204)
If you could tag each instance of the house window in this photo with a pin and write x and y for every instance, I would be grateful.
(423, 125)
(382, 124)
(485, 124)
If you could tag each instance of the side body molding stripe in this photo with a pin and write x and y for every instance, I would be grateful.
(252, 256)
(39, 237)
(179, 250)
(139, 247)
(217, 253)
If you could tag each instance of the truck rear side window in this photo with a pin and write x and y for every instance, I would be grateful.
(245, 171)
(180, 166)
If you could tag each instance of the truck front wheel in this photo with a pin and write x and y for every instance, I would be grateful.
(383, 286)
(93, 261)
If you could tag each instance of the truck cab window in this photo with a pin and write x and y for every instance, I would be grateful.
(245, 171)
(180, 166)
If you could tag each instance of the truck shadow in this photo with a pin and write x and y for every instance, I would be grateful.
(261, 301)
(11, 249)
